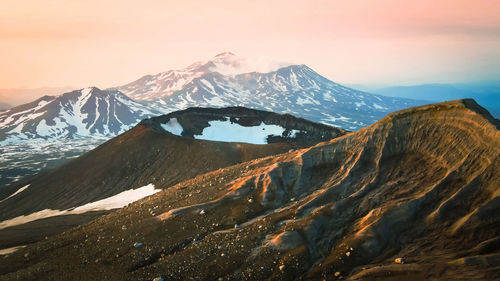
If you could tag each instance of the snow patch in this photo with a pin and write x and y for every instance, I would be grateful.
(114, 202)
(7, 251)
(301, 101)
(359, 104)
(117, 201)
(293, 133)
(173, 126)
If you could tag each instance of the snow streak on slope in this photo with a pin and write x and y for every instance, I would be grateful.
(15, 193)
(114, 202)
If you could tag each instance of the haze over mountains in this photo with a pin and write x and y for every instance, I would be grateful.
(413, 196)
(15, 97)
(169, 160)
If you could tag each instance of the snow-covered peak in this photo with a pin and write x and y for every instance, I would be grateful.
(87, 112)
(164, 84)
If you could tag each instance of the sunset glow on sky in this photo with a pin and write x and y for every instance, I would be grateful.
(108, 43)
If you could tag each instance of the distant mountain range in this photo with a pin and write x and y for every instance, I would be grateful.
(87, 117)
(486, 93)
(295, 89)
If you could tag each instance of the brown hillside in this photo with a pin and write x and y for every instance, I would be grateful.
(420, 187)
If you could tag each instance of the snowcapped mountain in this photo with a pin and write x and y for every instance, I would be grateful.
(88, 112)
(295, 89)
(164, 84)
(226, 80)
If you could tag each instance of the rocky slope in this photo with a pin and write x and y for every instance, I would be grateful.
(414, 196)
(147, 154)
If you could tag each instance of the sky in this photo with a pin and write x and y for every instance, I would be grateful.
(103, 43)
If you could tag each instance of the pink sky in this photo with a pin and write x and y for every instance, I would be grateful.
(108, 43)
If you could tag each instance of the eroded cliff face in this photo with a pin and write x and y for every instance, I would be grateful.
(414, 196)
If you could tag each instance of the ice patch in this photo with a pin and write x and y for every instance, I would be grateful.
(217, 101)
(173, 126)
(31, 217)
(328, 96)
(208, 86)
(232, 132)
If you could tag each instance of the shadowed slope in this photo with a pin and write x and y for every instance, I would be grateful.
(420, 184)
